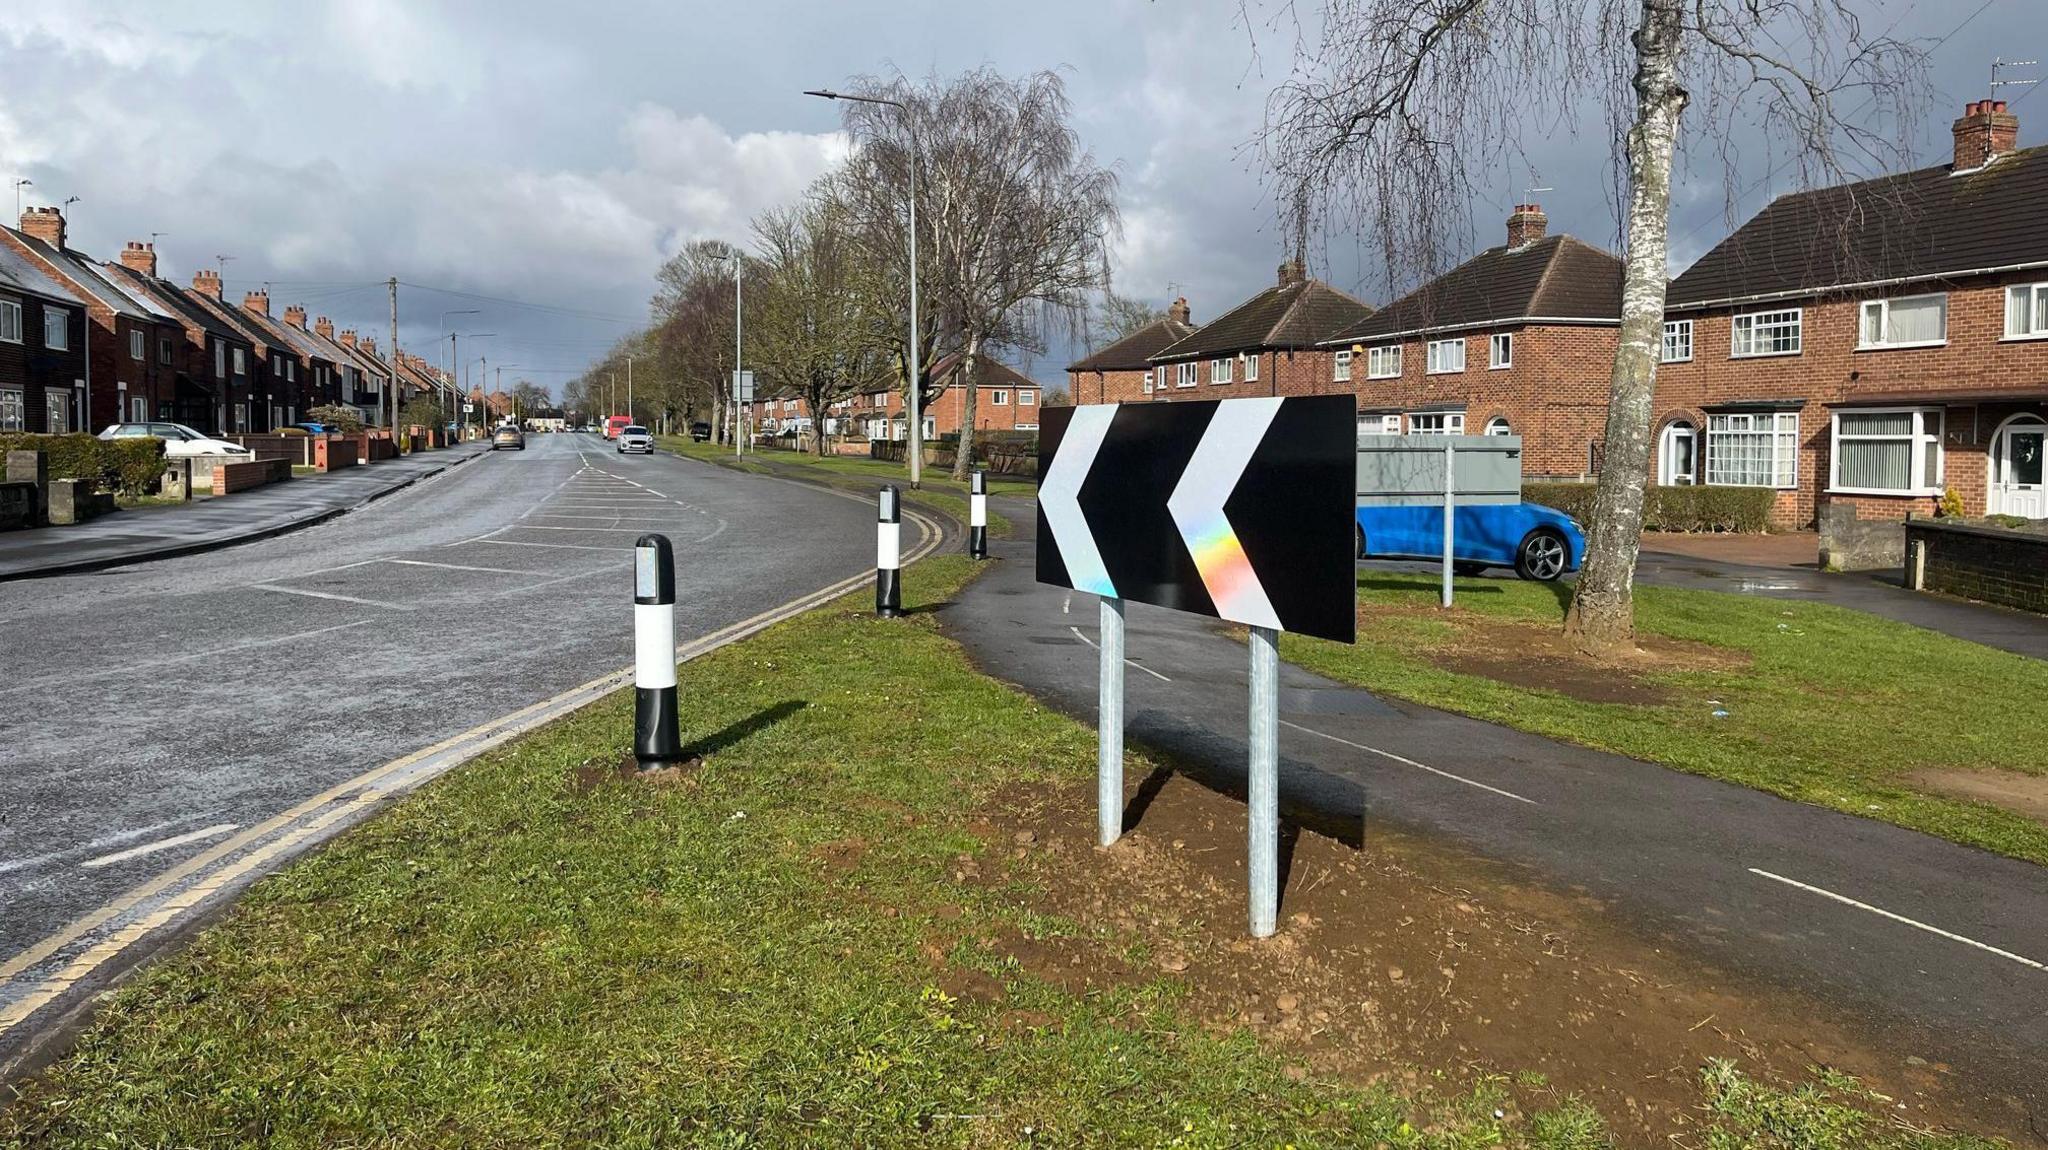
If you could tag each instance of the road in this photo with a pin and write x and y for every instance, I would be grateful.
(1941, 948)
(149, 713)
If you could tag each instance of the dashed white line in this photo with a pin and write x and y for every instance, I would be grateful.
(1408, 762)
(563, 546)
(201, 835)
(463, 567)
(1130, 662)
(1845, 900)
(330, 595)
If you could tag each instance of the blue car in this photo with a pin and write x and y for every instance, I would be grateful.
(1538, 542)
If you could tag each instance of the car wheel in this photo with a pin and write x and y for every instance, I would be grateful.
(1360, 532)
(1542, 556)
(1468, 567)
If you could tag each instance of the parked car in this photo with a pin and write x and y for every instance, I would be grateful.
(508, 436)
(309, 427)
(700, 431)
(180, 441)
(1539, 542)
(634, 437)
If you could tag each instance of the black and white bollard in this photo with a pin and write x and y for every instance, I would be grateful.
(977, 517)
(657, 735)
(889, 555)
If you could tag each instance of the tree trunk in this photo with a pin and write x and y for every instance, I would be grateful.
(970, 378)
(1601, 621)
(717, 418)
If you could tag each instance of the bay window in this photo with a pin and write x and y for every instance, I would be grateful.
(1893, 451)
(1436, 423)
(1753, 449)
(1765, 333)
(1914, 321)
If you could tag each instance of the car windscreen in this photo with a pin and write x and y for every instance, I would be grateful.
(635, 429)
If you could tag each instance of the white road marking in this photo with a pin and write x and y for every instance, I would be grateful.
(1128, 662)
(553, 527)
(1407, 762)
(201, 835)
(463, 567)
(1845, 900)
(329, 595)
(96, 844)
(564, 546)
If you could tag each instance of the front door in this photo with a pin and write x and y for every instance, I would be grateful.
(2016, 475)
(57, 411)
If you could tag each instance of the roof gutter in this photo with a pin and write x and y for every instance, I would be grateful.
(1504, 321)
(1861, 285)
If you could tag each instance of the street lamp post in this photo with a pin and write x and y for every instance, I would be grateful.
(916, 380)
(460, 371)
(448, 383)
(739, 427)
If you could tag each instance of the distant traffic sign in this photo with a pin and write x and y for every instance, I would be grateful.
(468, 408)
(1240, 509)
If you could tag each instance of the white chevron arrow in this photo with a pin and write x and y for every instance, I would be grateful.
(1197, 502)
(1059, 496)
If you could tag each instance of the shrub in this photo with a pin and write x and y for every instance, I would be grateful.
(1951, 504)
(131, 466)
(73, 456)
(338, 416)
(1695, 508)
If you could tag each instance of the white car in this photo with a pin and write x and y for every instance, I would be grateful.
(635, 438)
(180, 441)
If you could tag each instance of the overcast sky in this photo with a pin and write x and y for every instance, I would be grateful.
(549, 156)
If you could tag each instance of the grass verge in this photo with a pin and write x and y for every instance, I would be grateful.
(939, 492)
(1823, 705)
(534, 951)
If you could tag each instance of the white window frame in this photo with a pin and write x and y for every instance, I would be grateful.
(1184, 374)
(1453, 422)
(241, 362)
(1340, 367)
(1383, 362)
(999, 398)
(1499, 425)
(13, 409)
(1220, 370)
(1025, 427)
(1251, 366)
(10, 321)
(1667, 475)
(1158, 379)
(1883, 308)
(1674, 330)
(1783, 430)
(1387, 424)
(1027, 397)
(1439, 364)
(2032, 316)
(1748, 323)
(59, 319)
(1500, 351)
(138, 345)
(138, 409)
(1922, 438)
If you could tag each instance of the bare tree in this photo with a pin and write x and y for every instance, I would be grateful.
(692, 337)
(1399, 108)
(1122, 315)
(1012, 212)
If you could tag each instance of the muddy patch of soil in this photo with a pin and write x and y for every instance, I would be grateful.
(592, 775)
(1529, 655)
(1406, 958)
(2022, 794)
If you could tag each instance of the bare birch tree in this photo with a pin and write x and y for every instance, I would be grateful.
(693, 329)
(1398, 111)
(1012, 212)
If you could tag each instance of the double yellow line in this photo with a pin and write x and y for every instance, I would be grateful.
(308, 823)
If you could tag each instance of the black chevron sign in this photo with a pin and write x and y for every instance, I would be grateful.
(1240, 509)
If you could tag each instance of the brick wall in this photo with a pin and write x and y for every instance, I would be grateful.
(1107, 386)
(1988, 564)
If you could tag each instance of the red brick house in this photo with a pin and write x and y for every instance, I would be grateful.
(1517, 340)
(264, 372)
(1122, 372)
(1267, 345)
(125, 379)
(42, 349)
(1009, 401)
(1862, 348)
(205, 350)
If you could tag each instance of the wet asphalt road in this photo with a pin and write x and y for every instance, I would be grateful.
(174, 698)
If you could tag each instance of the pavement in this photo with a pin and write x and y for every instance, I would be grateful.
(1942, 949)
(155, 717)
(163, 532)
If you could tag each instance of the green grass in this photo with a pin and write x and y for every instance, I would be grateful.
(1835, 707)
(939, 491)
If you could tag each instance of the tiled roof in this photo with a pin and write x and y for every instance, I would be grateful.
(1925, 224)
(993, 374)
(88, 275)
(173, 302)
(1132, 352)
(20, 273)
(1291, 315)
(1557, 277)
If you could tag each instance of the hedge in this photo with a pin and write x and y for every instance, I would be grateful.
(130, 466)
(1669, 508)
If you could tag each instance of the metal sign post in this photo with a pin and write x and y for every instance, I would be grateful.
(1450, 510)
(657, 736)
(1262, 783)
(1109, 726)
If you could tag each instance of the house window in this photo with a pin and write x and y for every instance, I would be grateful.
(1498, 425)
(1379, 425)
(1914, 321)
(1753, 449)
(1026, 397)
(999, 398)
(1219, 370)
(1889, 452)
(1436, 423)
(1764, 333)
(1500, 351)
(10, 321)
(1677, 341)
(1341, 367)
(1446, 356)
(137, 346)
(1185, 375)
(1383, 362)
(56, 328)
(1678, 455)
(241, 362)
(1251, 367)
(13, 410)
(163, 351)
(138, 410)
(1026, 427)
(1159, 377)
(2026, 311)
(220, 361)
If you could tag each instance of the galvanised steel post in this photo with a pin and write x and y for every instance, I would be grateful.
(1109, 725)
(1450, 509)
(1263, 783)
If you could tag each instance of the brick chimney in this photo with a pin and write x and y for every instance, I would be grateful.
(295, 315)
(45, 224)
(139, 258)
(1526, 225)
(367, 344)
(1986, 132)
(207, 283)
(1178, 312)
(325, 327)
(257, 301)
(348, 335)
(1291, 272)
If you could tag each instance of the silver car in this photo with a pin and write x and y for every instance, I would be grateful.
(634, 437)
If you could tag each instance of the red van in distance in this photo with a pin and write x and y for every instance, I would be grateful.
(612, 424)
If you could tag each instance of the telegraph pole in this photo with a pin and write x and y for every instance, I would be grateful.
(391, 385)
(629, 389)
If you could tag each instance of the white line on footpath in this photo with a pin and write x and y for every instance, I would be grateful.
(1407, 762)
(329, 595)
(1128, 662)
(201, 835)
(1845, 900)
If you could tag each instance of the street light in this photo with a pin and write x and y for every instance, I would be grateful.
(739, 430)
(462, 369)
(916, 382)
(18, 185)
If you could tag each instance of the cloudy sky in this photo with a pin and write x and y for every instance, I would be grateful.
(537, 161)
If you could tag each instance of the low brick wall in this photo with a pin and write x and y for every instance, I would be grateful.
(296, 448)
(333, 454)
(374, 446)
(1987, 564)
(229, 478)
(75, 501)
(1851, 542)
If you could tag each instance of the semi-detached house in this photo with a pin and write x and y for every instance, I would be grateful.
(207, 357)
(42, 349)
(123, 377)
(1122, 372)
(1267, 345)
